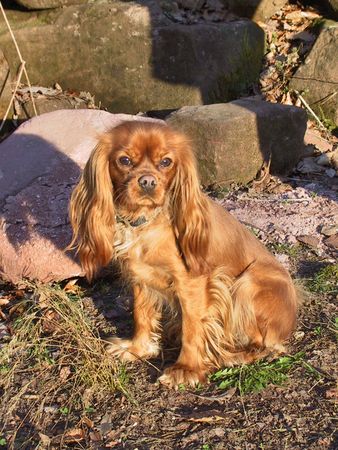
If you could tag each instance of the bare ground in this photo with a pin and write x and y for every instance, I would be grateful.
(299, 414)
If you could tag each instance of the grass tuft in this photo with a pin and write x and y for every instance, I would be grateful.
(257, 376)
(55, 358)
(325, 280)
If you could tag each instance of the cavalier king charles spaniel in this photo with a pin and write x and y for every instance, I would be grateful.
(139, 203)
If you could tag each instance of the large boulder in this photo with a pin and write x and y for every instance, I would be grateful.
(259, 10)
(134, 58)
(5, 84)
(48, 4)
(233, 140)
(333, 7)
(39, 165)
(317, 78)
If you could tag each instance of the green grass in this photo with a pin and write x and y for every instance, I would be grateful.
(325, 280)
(55, 348)
(285, 249)
(257, 376)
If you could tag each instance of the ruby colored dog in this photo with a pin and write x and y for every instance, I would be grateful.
(139, 202)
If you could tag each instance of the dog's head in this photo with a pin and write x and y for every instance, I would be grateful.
(136, 168)
(143, 160)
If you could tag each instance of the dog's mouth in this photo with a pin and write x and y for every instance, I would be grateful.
(146, 200)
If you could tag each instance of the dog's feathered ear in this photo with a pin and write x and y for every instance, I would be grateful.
(92, 212)
(190, 212)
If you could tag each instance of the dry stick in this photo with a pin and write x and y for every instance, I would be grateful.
(22, 68)
(22, 65)
(307, 106)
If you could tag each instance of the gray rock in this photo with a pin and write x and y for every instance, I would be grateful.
(191, 4)
(255, 9)
(309, 165)
(329, 230)
(5, 84)
(136, 59)
(233, 139)
(324, 159)
(308, 240)
(332, 242)
(317, 78)
(334, 158)
(48, 104)
(48, 4)
(40, 164)
(331, 173)
(333, 7)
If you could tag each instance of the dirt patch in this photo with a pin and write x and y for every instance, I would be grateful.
(298, 414)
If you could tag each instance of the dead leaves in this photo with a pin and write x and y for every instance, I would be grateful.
(289, 38)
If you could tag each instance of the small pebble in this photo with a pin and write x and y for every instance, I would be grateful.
(329, 230)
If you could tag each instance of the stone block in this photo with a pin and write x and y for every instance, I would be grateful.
(232, 140)
(317, 78)
(132, 57)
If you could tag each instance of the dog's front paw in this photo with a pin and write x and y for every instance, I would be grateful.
(128, 350)
(178, 374)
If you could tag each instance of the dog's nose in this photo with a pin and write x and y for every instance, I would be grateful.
(147, 183)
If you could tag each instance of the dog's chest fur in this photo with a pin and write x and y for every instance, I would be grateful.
(145, 253)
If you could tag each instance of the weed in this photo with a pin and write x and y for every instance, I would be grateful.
(328, 123)
(54, 349)
(318, 331)
(3, 442)
(4, 369)
(64, 410)
(257, 376)
(325, 280)
(286, 249)
(89, 409)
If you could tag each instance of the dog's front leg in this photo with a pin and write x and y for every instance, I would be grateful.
(190, 367)
(145, 341)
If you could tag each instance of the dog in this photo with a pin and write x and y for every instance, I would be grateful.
(139, 202)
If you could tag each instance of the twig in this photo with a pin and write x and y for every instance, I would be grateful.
(307, 106)
(22, 65)
(22, 70)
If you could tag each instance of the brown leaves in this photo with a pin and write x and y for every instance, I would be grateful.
(73, 436)
(288, 39)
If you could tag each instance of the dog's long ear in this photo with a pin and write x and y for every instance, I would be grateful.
(190, 212)
(92, 212)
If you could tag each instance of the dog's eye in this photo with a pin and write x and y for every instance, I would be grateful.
(165, 162)
(125, 161)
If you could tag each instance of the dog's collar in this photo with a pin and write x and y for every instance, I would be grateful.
(142, 220)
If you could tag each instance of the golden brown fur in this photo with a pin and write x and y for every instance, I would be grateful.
(236, 302)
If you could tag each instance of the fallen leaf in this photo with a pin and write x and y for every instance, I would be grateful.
(210, 416)
(44, 439)
(87, 421)
(64, 373)
(73, 435)
(95, 436)
(72, 288)
(314, 137)
(332, 393)
(4, 301)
